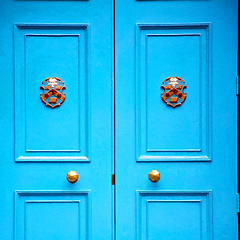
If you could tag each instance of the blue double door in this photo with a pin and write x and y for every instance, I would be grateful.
(118, 88)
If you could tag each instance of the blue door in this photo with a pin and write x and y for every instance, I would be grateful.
(176, 113)
(56, 117)
(141, 89)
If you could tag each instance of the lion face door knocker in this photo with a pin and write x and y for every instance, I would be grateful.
(52, 95)
(174, 94)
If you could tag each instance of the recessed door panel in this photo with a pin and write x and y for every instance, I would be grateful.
(51, 215)
(43, 51)
(173, 214)
(166, 133)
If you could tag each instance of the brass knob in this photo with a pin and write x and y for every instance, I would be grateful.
(72, 176)
(154, 175)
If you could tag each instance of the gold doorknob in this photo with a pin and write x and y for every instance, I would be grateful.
(154, 175)
(72, 176)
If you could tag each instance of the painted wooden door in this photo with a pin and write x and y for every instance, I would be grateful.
(192, 145)
(70, 40)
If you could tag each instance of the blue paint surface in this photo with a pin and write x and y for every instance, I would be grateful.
(193, 146)
(70, 40)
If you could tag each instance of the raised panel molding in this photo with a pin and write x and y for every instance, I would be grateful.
(34, 46)
(193, 50)
(188, 213)
(50, 213)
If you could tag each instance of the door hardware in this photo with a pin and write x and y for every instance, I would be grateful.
(53, 95)
(173, 94)
(72, 176)
(154, 176)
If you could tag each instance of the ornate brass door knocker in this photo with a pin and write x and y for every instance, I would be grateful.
(52, 95)
(174, 94)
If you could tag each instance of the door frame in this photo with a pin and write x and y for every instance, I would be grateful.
(238, 117)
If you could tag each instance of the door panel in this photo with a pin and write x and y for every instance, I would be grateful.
(40, 50)
(165, 50)
(52, 215)
(70, 40)
(169, 214)
(193, 145)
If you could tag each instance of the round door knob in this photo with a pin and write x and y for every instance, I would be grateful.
(72, 176)
(154, 175)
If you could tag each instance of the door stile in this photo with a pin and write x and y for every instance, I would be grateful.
(113, 127)
(238, 118)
